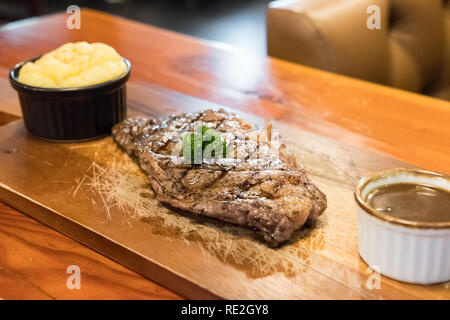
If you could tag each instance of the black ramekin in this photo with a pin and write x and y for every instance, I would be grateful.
(71, 114)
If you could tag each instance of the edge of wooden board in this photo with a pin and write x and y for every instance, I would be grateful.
(86, 236)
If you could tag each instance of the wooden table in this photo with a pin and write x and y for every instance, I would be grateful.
(34, 258)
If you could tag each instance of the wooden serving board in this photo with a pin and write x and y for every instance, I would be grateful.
(97, 195)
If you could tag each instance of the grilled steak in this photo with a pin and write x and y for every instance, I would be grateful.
(267, 192)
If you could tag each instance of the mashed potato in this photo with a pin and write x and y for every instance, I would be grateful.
(74, 65)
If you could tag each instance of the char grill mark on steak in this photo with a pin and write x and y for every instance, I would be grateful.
(271, 195)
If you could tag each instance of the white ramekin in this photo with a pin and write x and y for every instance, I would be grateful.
(410, 251)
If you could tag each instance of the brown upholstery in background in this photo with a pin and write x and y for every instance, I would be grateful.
(411, 51)
(441, 87)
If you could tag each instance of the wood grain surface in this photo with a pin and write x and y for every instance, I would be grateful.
(58, 185)
(408, 126)
(34, 260)
(36, 250)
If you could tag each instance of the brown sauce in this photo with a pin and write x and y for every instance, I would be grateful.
(412, 202)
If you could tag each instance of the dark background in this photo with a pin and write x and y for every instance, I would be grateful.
(240, 23)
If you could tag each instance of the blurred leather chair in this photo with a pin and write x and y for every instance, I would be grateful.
(410, 51)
